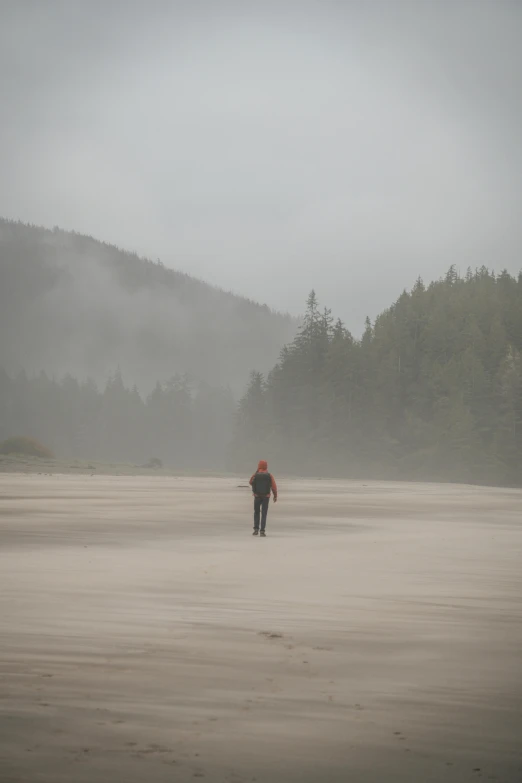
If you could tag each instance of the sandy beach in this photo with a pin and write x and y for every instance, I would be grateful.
(145, 635)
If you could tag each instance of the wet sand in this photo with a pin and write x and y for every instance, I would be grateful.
(145, 635)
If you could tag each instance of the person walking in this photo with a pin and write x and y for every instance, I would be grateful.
(263, 485)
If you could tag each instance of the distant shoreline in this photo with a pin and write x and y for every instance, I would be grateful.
(20, 464)
(35, 465)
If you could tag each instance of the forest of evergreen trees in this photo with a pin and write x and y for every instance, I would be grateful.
(185, 424)
(433, 390)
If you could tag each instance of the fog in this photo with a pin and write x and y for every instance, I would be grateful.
(367, 150)
(72, 305)
(269, 148)
(241, 235)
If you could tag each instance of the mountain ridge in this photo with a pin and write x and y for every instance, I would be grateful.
(72, 303)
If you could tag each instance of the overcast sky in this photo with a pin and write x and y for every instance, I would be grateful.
(271, 147)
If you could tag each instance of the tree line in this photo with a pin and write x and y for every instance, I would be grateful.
(185, 424)
(432, 390)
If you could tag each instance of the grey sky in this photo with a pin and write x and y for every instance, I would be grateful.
(271, 147)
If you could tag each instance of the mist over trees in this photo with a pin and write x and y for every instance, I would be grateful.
(71, 304)
(185, 424)
(432, 390)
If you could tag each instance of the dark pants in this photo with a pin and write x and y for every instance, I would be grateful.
(260, 508)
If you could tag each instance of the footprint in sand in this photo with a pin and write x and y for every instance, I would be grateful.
(153, 749)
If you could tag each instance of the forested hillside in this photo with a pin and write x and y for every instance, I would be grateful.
(71, 304)
(433, 390)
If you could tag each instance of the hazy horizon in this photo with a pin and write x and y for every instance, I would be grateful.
(269, 148)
